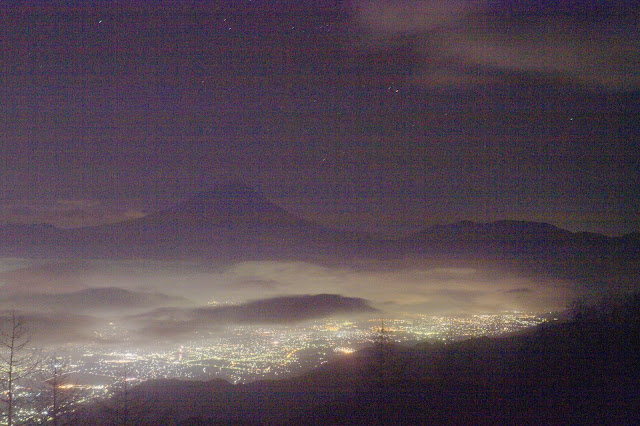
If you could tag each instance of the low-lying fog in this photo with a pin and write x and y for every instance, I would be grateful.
(66, 300)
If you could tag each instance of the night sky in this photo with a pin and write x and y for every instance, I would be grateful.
(381, 116)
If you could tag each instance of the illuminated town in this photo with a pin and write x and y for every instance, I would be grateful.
(248, 353)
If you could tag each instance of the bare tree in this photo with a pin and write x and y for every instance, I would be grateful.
(123, 397)
(382, 348)
(388, 371)
(125, 406)
(60, 394)
(17, 359)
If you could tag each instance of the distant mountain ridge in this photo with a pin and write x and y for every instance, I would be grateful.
(234, 222)
(230, 222)
(505, 230)
(228, 204)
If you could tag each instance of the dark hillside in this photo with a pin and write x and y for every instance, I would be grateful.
(595, 261)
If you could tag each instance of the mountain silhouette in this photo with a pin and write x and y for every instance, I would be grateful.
(500, 231)
(230, 222)
(532, 248)
(230, 204)
(233, 222)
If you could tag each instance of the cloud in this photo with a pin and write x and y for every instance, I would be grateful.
(412, 16)
(519, 291)
(97, 301)
(479, 287)
(76, 203)
(46, 278)
(465, 43)
(257, 284)
(132, 293)
(53, 276)
(12, 263)
(52, 329)
(68, 213)
(173, 322)
(415, 283)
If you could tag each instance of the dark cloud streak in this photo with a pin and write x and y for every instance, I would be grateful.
(596, 43)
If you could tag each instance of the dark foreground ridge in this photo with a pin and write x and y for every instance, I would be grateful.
(582, 371)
